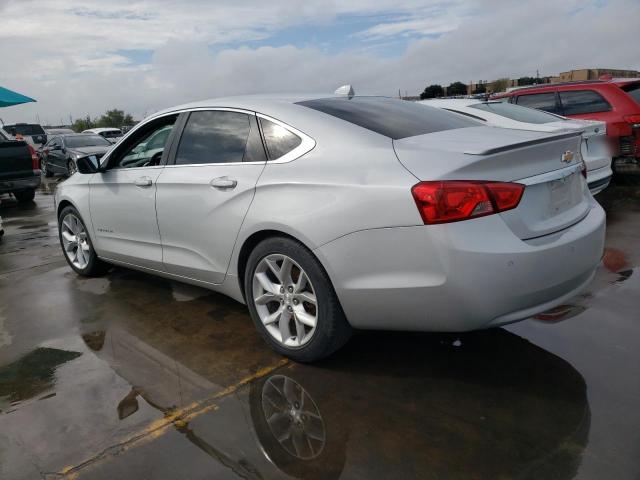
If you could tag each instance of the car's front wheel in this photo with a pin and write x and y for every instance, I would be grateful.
(45, 169)
(76, 244)
(292, 301)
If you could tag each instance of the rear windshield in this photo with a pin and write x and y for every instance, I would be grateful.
(392, 118)
(634, 91)
(517, 113)
(111, 134)
(86, 141)
(27, 129)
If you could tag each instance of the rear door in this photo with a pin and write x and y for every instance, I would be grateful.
(203, 197)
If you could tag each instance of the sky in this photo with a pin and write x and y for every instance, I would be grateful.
(81, 58)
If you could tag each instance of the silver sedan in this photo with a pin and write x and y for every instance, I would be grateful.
(328, 214)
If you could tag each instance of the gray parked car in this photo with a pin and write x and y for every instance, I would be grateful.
(327, 214)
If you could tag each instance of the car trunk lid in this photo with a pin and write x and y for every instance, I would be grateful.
(556, 195)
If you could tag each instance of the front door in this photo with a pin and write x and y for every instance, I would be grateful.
(203, 197)
(123, 200)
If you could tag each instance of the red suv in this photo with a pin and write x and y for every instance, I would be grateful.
(614, 101)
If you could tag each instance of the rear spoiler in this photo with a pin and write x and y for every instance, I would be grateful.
(528, 143)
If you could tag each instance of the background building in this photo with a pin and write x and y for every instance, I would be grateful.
(593, 74)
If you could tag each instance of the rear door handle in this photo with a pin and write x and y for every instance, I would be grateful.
(142, 182)
(223, 183)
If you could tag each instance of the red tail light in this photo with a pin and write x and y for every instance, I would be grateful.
(35, 161)
(634, 120)
(455, 200)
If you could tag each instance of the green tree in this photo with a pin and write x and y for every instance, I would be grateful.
(82, 124)
(115, 118)
(432, 91)
(500, 85)
(456, 88)
(480, 88)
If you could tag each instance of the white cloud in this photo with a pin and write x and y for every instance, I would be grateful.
(70, 57)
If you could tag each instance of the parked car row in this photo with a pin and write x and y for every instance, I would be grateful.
(329, 213)
(615, 102)
(61, 152)
(594, 149)
(19, 168)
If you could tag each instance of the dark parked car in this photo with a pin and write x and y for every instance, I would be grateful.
(615, 101)
(19, 168)
(32, 130)
(60, 154)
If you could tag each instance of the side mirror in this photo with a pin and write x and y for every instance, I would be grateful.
(88, 165)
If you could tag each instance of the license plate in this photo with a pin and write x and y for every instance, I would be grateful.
(563, 193)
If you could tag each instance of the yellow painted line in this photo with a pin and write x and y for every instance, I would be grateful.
(178, 418)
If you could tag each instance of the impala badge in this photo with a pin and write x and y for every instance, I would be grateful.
(567, 157)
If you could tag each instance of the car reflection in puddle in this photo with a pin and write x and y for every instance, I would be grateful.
(482, 405)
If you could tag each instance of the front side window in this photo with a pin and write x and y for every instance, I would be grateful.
(576, 102)
(214, 136)
(517, 112)
(541, 101)
(279, 140)
(141, 150)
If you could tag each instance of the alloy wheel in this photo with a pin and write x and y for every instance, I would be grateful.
(285, 300)
(75, 242)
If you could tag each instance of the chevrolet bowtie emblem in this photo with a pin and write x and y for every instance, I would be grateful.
(567, 156)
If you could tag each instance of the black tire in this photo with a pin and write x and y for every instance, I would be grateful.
(24, 196)
(45, 170)
(332, 329)
(95, 267)
(71, 168)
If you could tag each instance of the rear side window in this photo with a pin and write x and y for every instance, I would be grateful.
(541, 101)
(634, 91)
(279, 140)
(213, 137)
(576, 102)
(392, 118)
(517, 112)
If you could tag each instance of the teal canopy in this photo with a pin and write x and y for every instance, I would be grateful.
(8, 98)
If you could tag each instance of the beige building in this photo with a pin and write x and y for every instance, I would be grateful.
(593, 74)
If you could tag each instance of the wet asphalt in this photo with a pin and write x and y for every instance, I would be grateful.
(131, 376)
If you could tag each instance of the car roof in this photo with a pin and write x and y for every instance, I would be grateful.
(618, 82)
(256, 103)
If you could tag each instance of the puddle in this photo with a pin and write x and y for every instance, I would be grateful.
(185, 293)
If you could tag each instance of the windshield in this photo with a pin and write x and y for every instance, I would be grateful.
(389, 117)
(634, 91)
(517, 113)
(86, 141)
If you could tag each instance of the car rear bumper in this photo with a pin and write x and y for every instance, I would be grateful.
(28, 183)
(599, 179)
(459, 276)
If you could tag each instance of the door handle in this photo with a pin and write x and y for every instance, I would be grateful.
(223, 183)
(142, 182)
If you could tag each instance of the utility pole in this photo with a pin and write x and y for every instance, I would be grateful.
(399, 94)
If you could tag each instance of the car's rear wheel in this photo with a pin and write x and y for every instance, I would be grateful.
(24, 196)
(292, 301)
(76, 244)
